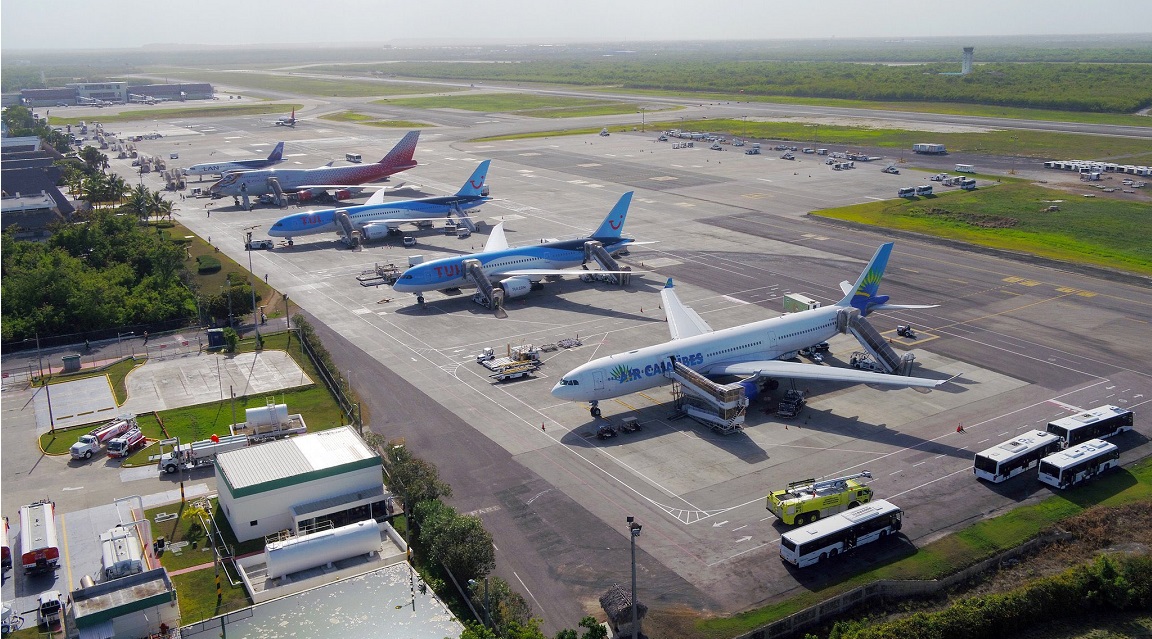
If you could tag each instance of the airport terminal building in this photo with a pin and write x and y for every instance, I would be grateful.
(298, 482)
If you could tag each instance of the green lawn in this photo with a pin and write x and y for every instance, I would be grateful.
(371, 120)
(1012, 216)
(209, 110)
(537, 106)
(961, 549)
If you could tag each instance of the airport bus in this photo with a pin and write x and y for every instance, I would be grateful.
(1098, 423)
(840, 533)
(1008, 459)
(1078, 464)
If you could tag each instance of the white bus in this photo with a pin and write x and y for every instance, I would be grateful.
(924, 190)
(1079, 464)
(1097, 423)
(1008, 459)
(840, 533)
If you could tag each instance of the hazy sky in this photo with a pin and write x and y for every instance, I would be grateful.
(87, 24)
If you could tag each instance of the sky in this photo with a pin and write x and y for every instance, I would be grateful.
(120, 24)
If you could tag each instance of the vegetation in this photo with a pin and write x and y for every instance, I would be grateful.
(371, 120)
(301, 84)
(1017, 217)
(208, 110)
(538, 106)
(20, 123)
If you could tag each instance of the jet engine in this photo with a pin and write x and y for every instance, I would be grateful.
(517, 287)
(375, 231)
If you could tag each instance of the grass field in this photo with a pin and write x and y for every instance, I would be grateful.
(960, 549)
(371, 120)
(536, 106)
(300, 84)
(1012, 216)
(222, 111)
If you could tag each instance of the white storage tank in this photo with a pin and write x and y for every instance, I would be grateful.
(321, 548)
(265, 415)
(121, 552)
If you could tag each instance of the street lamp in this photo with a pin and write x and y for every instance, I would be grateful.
(744, 129)
(641, 119)
(634, 532)
(119, 346)
(487, 616)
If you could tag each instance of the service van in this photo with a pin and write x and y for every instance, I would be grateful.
(924, 190)
(907, 191)
(353, 157)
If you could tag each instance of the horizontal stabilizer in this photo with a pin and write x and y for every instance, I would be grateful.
(682, 320)
(800, 370)
(902, 307)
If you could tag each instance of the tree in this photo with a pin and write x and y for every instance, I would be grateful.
(415, 480)
(94, 161)
(508, 607)
(139, 202)
(231, 339)
(465, 548)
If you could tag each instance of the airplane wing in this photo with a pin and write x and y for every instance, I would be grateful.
(682, 320)
(543, 272)
(497, 241)
(799, 370)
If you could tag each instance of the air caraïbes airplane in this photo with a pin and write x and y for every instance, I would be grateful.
(259, 182)
(221, 168)
(375, 218)
(517, 269)
(749, 350)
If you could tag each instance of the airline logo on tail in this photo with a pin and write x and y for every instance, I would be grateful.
(277, 153)
(401, 155)
(614, 223)
(864, 296)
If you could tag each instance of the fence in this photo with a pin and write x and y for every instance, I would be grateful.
(885, 589)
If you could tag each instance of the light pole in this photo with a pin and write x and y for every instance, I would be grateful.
(487, 615)
(119, 346)
(176, 458)
(744, 129)
(641, 119)
(634, 532)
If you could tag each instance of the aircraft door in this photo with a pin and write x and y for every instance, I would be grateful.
(598, 379)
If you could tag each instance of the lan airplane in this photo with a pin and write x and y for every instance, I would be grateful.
(516, 269)
(288, 121)
(255, 183)
(220, 168)
(376, 218)
(749, 350)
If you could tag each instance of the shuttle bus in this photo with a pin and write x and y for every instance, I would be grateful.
(1008, 459)
(1078, 464)
(1098, 423)
(840, 533)
(38, 546)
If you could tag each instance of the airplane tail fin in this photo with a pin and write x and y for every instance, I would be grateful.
(475, 184)
(613, 225)
(401, 154)
(863, 295)
(277, 153)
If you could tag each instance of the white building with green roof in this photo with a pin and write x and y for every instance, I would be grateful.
(297, 482)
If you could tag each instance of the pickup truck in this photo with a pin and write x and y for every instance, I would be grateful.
(256, 245)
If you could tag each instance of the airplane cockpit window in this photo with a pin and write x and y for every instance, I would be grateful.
(406, 276)
(569, 382)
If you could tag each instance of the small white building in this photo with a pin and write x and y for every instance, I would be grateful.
(297, 482)
(134, 606)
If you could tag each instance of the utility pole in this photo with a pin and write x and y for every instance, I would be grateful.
(634, 532)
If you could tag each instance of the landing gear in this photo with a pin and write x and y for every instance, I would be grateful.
(290, 242)
(420, 300)
(595, 410)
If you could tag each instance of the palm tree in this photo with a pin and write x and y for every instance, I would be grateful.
(94, 188)
(139, 202)
(117, 187)
(163, 207)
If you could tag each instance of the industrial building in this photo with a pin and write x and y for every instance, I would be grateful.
(100, 93)
(300, 482)
(134, 606)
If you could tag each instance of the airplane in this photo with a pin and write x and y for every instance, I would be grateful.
(220, 168)
(259, 182)
(516, 270)
(376, 218)
(289, 121)
(750, 350)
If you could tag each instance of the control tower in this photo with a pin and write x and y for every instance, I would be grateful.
(966, 67)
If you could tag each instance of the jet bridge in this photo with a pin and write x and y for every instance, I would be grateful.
(721, 407)
(594, 252)
(850, 321)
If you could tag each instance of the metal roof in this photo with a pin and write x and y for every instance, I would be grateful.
(295, 460)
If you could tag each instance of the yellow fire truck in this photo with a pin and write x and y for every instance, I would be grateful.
(807, 500)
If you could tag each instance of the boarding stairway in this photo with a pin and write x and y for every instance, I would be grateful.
(594, 252)
(721, 407)
(277, 192)
(849, 320)
(351, 235)
(465, 221)
(486, 295)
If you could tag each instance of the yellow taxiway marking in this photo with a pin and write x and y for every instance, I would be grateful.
(624, 404)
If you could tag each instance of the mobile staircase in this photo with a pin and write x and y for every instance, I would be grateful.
(721, 407)
(594, 252)
(848, 320)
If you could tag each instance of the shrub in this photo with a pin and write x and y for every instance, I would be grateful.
(207, 264)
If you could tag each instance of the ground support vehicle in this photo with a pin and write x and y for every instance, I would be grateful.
(126, 444)
(99, 437)
(860, 360)
(807, 500)
(608, 429)
(791, 405)
(1078, 464)
(254, 245)
(38, 547)
(1008, 459)
(200, 453)
(1097, 423)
